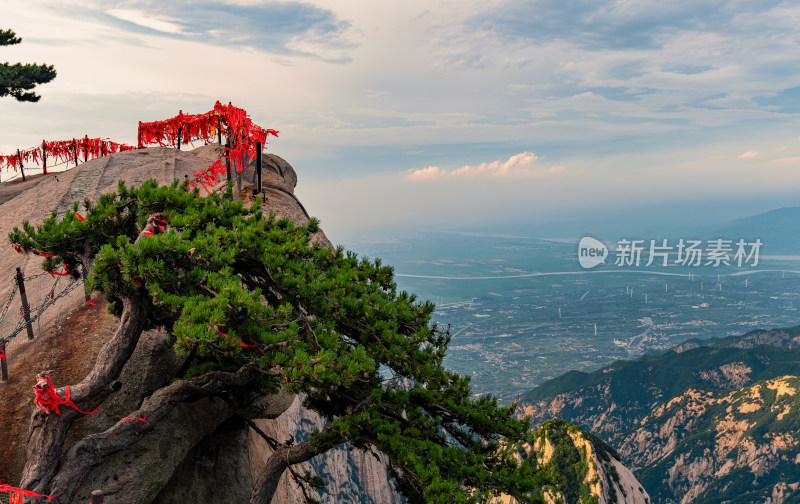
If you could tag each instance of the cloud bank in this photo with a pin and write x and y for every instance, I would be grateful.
(518, 165)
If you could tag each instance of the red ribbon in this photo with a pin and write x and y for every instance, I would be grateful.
(139, 419)
(90, 303)
(234, 339)
(244, 133)
(154, 226)
(3, 355)
(61, 151)
(17, 495)
(78, 215)
(48, 401)
(54, 273)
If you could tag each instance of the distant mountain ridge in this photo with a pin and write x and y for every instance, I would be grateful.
(778, 230)
(782, 338)
(666, 413)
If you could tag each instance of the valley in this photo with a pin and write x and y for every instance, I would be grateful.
(521, 310)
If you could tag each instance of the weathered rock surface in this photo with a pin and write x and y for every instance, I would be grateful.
(585, 468)
(705, 425)
(709, 446)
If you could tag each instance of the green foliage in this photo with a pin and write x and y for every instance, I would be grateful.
(565, 473)
(16, 80)
(628, 390)
(234, 286)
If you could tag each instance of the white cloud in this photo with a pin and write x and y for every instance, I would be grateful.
(518, 165)
(749, 154)
(158, 23)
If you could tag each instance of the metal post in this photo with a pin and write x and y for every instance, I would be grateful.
(180, 127)
(97, 497)
(259, 147)
(228, 158)
(21, 168)
(240, 173)
(44, 156)
(219, 132)
(75, 151)
(26, 309)
(85, 148)
(3, 365)
(139, 135)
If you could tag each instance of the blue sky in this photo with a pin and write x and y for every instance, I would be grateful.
(449, 113)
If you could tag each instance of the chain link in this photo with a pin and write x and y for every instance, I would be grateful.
(32, 277)
(21, 325)
(8, 303)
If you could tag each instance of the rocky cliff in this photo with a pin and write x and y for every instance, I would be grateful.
(205, 451)
(584, 469)
(704, 424)
(204, 446)
(713, 446)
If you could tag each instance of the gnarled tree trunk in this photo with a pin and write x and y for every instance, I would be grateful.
(47, 432)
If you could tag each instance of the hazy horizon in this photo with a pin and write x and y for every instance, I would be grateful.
(449, 114)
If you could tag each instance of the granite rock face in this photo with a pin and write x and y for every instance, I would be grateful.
(204, 451)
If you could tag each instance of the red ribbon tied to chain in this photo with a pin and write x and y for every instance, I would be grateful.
(54, 273)
(17, 495)
(48, 400)
(3, 355)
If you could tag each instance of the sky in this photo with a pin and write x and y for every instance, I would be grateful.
(426, 114)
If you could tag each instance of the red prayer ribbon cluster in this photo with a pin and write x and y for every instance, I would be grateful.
(3, 355)
(209, 177)
(17, 495)
(63, 151)
(49, 401)
(241, 130)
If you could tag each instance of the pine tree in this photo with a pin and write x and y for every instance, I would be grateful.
(254, 301)
(16, 80)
